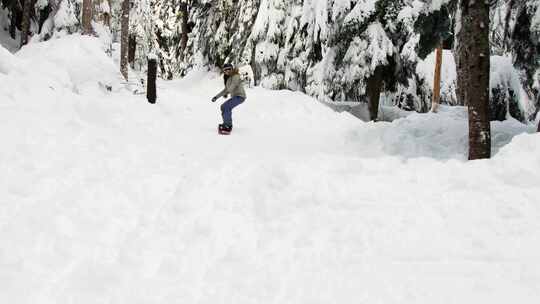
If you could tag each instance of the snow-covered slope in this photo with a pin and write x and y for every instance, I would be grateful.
(105, 198)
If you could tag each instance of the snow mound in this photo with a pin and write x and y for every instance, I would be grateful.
(83, 58)
(7, 61)
(442, 135)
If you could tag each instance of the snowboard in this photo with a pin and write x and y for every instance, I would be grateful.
(223, 132)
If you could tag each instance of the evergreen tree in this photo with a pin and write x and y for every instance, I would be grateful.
(525, 41)
(142, 31)
(167, 28)
(221, 31)
(372, 47)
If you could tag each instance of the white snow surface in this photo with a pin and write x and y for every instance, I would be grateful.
(105, 198)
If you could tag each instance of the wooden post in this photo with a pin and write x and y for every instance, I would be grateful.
(374, 87)
(437, 81)
(151, 81)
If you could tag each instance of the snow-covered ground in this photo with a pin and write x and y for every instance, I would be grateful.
(105, 198)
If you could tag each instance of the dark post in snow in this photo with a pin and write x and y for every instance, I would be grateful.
(373, 89)
(151, 81)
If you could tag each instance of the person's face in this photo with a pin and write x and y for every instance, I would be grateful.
(227, 71)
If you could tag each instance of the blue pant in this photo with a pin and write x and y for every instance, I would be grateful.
(227, 106)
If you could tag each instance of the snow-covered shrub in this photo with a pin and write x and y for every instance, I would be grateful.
(505, 89)
(525, 41)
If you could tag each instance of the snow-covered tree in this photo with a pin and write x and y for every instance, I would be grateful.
(525, 45)
(371, 51)
(221, 31)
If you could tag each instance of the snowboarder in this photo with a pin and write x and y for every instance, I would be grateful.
(234, 87)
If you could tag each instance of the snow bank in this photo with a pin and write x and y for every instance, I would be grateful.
(82, 57)
(7, 61)
(439, 136)
(105, 198)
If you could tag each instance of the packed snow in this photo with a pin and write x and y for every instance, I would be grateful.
(105, 198)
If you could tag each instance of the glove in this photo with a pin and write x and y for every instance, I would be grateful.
(214, 99)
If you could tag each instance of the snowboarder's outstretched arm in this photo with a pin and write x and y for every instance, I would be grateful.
(222, 93)
(231, 85)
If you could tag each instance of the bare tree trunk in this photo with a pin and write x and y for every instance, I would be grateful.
(13, 23)
(87, 14)
(437, 81)
(27, 9)
(124, 39)
(184, 41)
(132, 49)
(374, 87)
(473, 39)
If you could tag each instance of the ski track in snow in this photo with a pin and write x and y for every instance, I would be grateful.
(107, 199)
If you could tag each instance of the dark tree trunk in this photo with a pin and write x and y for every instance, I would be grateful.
(474, 58)
(132, 50)
(124, 39)
(25, 32)
(87, 14)
(374, 87)
(13, 21)
(255, 66)
(184, 41)
(43, 16)
(151, 81)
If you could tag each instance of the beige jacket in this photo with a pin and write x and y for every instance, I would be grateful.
(234, 87)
